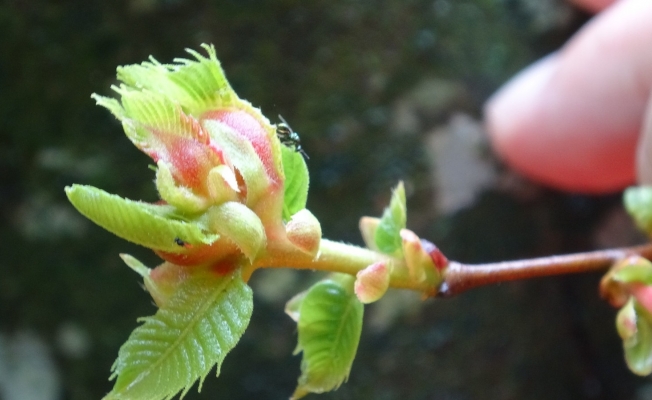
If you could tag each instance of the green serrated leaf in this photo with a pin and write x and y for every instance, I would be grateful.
(197, 85)
(150, 225)
(180, 344)
(110, 104)
(330, 323)
(296, 182)
(637, 343)
(388, 233)
(638, 202)
(152, 109)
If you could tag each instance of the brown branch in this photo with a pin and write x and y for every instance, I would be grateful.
(461, 277)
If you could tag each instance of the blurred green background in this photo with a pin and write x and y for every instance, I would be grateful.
(379, 91)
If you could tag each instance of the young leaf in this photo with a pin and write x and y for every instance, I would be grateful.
(329, 325)
(180, 344)
(387, 236)
(197, 85)
(241, 225)
(243, 156)
(145, 224)
(179, 196)
(368, 228)
(296, 182)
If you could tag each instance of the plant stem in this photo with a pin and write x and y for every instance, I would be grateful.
(461, 277)
(458, 277)
(332, 257)
(344, 258)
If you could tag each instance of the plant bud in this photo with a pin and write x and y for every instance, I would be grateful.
(372, 282)
(304, 231)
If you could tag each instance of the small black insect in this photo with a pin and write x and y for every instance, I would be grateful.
(289, 138)
(179, 242)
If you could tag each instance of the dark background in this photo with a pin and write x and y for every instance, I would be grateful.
(368, 85)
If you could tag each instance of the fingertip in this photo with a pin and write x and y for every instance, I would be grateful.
(510, 114)
(534, 128)
(517, 121)
(572, 120)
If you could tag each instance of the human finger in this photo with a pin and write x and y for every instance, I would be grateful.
(594, 5)
(572, 120)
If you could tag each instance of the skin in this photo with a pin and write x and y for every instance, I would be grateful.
(581, 119)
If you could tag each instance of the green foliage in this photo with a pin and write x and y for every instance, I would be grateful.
(149, 225)
(635, 327)
(329, 325)
(241, 225)
(296, 182)
(388, 233)
(638, 202)
(180, 344)
(195, 85)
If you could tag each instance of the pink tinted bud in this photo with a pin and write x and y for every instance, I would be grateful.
(164, 280)
(251, 129)
(161, 282)
(192, 161)
(188, 150)
(440, 260)
(425, 263)
(304, 231)
(417, 260)
(372, 282)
